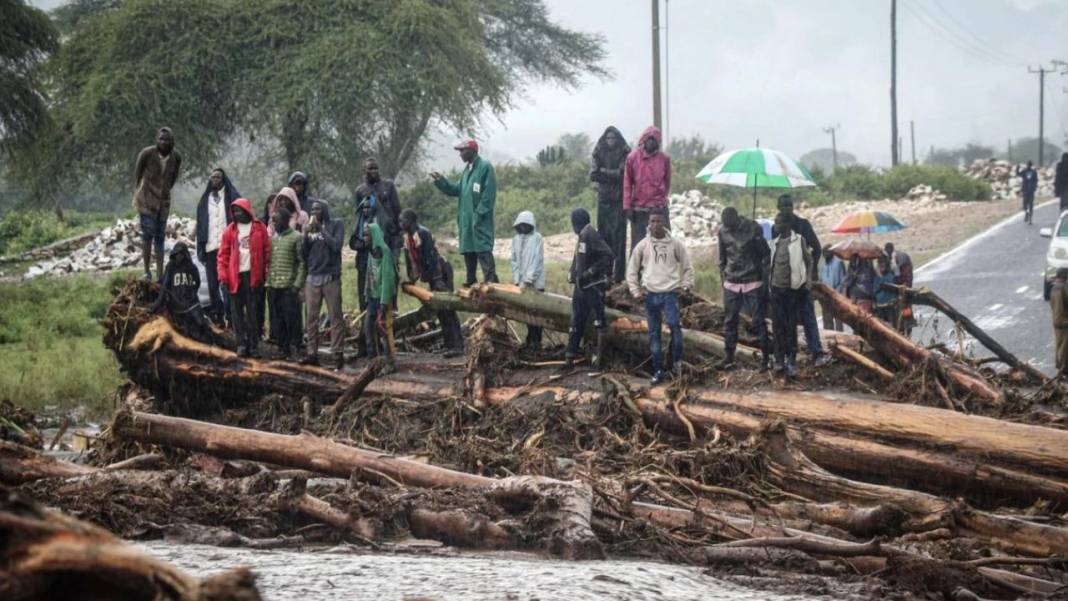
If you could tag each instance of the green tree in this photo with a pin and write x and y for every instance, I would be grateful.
(28, 38)
(823, 158)
(577, 147)
(693, 149)
(551, 155)
(1026, 149)
(954, 157)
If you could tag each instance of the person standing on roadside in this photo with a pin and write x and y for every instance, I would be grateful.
(591, 274)
(321, 252)
(528, 265)
(477, 193)
(285, 282)
(659, 269)
(790, 266)
(155, 172)
(1058, 304)
(609, 160)
(742, 255)
(213, 215)
(242, 265)
(832, 273)
(424, 263)
(1028, 186)
(807, 309)
(646, 184)
(1060, 182)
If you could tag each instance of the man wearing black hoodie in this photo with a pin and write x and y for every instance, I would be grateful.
(591, 274)
(609, 159)
(179, 293)
(321, 251)
(213, 215)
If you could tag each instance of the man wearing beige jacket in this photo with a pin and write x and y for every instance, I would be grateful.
(659, 268)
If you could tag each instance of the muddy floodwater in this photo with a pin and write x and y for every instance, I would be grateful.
(341, 574)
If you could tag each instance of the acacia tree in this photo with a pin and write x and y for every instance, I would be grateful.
(28, 38)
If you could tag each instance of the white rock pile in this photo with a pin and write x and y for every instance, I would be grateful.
(115, 247)
(695, 218)
(925, 193)
(1004, 184)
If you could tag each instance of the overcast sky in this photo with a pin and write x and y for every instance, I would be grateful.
(781, 70)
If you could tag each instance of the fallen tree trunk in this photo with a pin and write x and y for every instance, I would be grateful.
(553, 311)
(924, 296)
(19, 464)
(893, 345)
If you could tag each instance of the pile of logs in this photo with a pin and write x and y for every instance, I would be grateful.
(925, 498)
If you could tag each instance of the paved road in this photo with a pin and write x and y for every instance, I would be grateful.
(996, 280)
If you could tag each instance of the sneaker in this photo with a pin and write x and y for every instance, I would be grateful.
(309, 360)
(725, 364)
(777, 366)
(658, 378)
(339, 361)
(791, 368)
(765, 362)
(822, 359)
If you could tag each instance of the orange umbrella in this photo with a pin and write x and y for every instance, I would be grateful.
(847, 249)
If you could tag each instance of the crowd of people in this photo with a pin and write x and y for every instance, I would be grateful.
(261, 268)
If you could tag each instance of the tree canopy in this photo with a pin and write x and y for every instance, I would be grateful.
(316, 86)
(28, 38)
(823, 159)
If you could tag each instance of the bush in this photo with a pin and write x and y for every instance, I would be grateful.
(861, 181)
(24, 230)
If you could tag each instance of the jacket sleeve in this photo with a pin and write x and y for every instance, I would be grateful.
(628, 183)
(447, 186)
(814, 249)
(177, 170)
(602, 251)
(722, 253)
(266, 252)
(139, 167)
(488, 195)
(334, 236)
(536, 274)
(301, 267)
(165, 287)
(634, 268)
(222, 262)
(394, 210)
(667, 176)
(687, 267)
(202, 226)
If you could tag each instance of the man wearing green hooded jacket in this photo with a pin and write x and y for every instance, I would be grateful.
(477, 191)
(381, 284)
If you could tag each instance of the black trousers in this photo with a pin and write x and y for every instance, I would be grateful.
(449, 320)
(211, 269)
(244, 310)
(784, 303)
(613, 227)
(489, 268)
(286, 326)
(734, 303)
(583, 303)
(261, 312)
(639, 224)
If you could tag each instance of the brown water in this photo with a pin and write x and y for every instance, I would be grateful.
(346, 573)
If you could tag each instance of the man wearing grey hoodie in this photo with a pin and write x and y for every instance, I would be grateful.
(528, 264)
(321, 252)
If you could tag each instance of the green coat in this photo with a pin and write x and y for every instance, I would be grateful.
(381, 276)
(286, 268)
(478, 193)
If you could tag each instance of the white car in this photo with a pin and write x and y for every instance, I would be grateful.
(1057, 255)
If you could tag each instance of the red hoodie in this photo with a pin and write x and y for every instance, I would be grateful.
(646, 178)
(259, 246)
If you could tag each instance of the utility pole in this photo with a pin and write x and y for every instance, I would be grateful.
(830, 129)
(1041, 110)
(1010, 150)
(893, 85)
(656, 64)
(912, 139)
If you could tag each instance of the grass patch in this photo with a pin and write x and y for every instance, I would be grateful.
(51, 354)
(25, 230)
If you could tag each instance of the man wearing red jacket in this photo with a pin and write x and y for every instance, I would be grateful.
(646, 184)
(242, 265)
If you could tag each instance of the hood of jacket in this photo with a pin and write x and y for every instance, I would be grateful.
(580, 218)
(229, 191)
(526, 217)
(244, 205)
(602, 150)
(298, 176)
(325, 217)
(179, 248)
(378, 239)
(652, 132)
(291, 194)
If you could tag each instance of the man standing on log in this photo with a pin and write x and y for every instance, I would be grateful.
(646, 184)
(743, 253)
(1058, 304)
(321, 251)
(242, 265)
(790, 266)
(609, 161)
(425, 263)
(285, 282)
(213, 215)
(155, 172)
(805, 306)
(477, 191)
(659, 268)
(591, 274)
(1028, 187)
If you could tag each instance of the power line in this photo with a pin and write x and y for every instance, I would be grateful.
(950, 37)
(977, 48)
(977, 41)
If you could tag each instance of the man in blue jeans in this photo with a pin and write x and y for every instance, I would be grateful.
(659, 268)
(805, 307)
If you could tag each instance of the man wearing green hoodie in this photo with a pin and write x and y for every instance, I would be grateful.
(381, 283)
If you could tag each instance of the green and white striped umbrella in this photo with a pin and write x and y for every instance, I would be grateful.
(756, 168)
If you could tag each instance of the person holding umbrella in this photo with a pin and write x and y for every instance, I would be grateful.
(805, 307)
